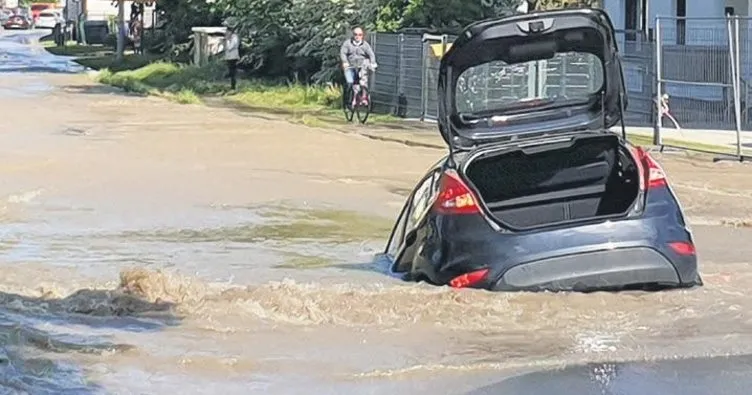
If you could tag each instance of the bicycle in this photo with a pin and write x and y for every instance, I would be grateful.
(362, 104)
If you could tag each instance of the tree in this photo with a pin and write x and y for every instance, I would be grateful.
(121, 31)
(176, 19)
(438, 15)
(300, 39)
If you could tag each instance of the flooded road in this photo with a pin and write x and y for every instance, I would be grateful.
(149, 247)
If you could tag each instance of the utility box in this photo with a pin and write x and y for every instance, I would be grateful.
(207, 42)
(96, 32)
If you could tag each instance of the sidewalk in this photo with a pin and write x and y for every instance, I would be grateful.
(721, 138)
(413, 132)
(427, 134)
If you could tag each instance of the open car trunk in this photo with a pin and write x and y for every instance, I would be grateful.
(590, 177)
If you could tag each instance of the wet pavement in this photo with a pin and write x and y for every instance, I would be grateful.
(722, 375)
(17, 56)
(149, 247)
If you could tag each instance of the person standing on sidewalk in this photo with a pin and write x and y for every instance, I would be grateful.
(136, 33)
(232, 53)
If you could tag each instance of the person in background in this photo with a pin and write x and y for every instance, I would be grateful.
(136, 27)
(232, 52)
(136, 33)
(666, 112)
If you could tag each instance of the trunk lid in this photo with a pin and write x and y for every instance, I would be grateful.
(546, 73)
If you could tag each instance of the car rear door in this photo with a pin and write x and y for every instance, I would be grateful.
(404, 242)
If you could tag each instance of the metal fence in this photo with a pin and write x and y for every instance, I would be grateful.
(704, 65)
(639, 76)
(703, 80)
(405, 84)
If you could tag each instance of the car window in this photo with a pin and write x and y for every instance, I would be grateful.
(421, 200)
(414, 210)
(497, 85)
(399, 232)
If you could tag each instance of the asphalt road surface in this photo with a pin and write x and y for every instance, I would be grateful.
(151, 247)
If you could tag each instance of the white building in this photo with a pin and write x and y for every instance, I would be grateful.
(704, 23)
(685, 22)
(626, 14)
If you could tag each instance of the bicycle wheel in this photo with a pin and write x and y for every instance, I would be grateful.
(363, 111)
(347, 107)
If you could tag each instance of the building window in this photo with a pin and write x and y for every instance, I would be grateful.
(630, 19)
(681, 22)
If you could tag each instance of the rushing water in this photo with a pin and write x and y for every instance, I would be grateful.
(139, 263)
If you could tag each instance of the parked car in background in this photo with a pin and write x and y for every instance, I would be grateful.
(17, 22)
(37, 9)
(48, 19)
(5, 15)
(24, 12)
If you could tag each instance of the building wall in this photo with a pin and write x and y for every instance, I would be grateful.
(615, 9)
(741, 7)
(705, 26)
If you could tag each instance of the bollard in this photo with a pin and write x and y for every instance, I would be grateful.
(57, 34)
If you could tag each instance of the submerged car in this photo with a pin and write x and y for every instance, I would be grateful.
(537, 193)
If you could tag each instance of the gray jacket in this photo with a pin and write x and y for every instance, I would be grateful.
(357, 55)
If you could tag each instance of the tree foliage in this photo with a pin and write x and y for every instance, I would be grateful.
(297, 38)
(176, 19)
(301, 38)
(452, 15)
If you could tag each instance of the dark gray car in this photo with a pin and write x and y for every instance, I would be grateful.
(537, 193)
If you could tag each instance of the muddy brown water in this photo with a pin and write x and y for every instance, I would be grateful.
(150, 247)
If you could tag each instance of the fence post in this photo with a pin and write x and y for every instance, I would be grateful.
(487, 80)
(657, 139)
(374, 47)
(424, 79)
(444, 42)
(737, 87)
(400, 72)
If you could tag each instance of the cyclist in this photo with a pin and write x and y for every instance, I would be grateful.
(357, 57)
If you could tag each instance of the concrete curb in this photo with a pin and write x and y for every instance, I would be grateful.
(405, 141)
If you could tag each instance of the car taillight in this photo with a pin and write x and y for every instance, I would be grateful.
(656, 175)
(468, 279)
(683, 248)
(454, 196)
(651, 173)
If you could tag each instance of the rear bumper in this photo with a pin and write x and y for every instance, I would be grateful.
(597, 270)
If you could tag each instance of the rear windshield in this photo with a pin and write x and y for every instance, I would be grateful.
(497, 86)
(46, 14)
